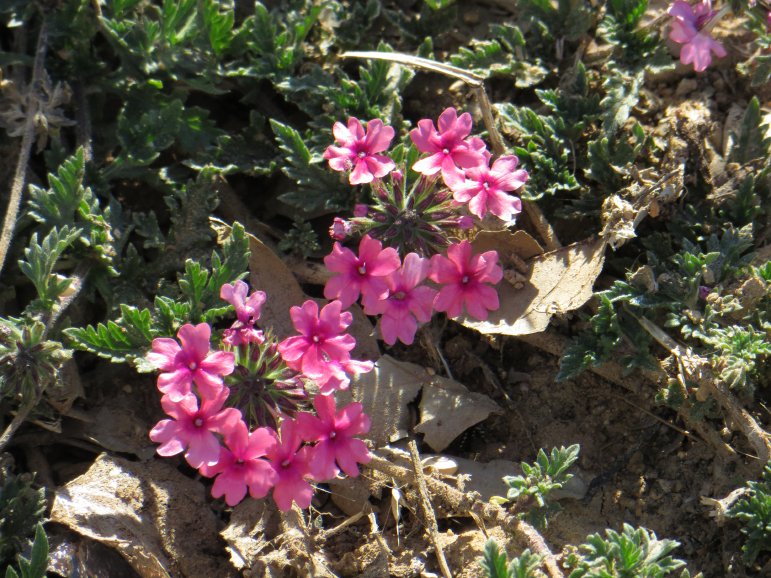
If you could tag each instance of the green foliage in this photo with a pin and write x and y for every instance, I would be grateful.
(495, 564)
(301, 240)
(22, 507)
(503, 55)
(549, 472)
(636, 47)
(67, 203)
(557, 21)
(37, 565)
(623, 92)
(195, 299)
(754, 512)
(751, 142)
(632, 553)
(40, 260)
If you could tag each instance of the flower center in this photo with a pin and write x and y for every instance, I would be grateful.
(362, 154)
(285, 463)
(316, 339)
(362, 269)
(486, 185)
(198, 422)
(465, 279)
(400, 295)
(446, 151)
(192, 366)
(332, 435)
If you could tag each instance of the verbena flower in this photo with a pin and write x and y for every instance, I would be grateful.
(339, 372)
(465, 280)
(447, 147)
(408, 302)
(193, 429)
(362, 274)
(484, 188)
(358, 150)
(241, 467)
(291, 463)
(340, 229)
(321, 338)
(336, 448)
(248, 311)
(688, 28)
(191, 363)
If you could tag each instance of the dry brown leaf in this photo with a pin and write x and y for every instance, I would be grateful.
(559, 281)
(145, 511)
(253, 524)
(518, 243)
(385, 393)
(447, 409)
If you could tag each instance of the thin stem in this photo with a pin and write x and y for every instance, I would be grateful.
(28, 137)
(18, 419)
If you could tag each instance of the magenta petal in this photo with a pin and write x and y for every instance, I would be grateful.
(195, 339)
(378, 136)
(164, 353)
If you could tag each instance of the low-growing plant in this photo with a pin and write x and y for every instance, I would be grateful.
(754, 513)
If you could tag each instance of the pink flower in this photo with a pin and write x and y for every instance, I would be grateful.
(193, 429)
(291, 465)
(358, 150)
(334, 431)
(248, 310)
(447, 146)
(407, 303)
(484, 188)
(339, 230)
(320, 341)
(337, 377)
(465, 222)
(359, 275)
(191, 363)
(465, 278)
(688, 29)
(240, 465)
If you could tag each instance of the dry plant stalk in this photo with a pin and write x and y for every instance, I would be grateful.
(428, 510)
(466, 504)
(25, 149)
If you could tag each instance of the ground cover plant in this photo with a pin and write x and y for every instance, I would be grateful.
(343, 288)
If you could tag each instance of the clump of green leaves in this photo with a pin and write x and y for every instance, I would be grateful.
(194, 299)
(37, 565)
(754, 512)
(529, 492)
(631, 553)
(301, 240)
(22, 507)
(495, 563)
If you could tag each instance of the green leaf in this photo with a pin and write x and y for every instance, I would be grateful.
(494, 561)
(218, 17)
(41, 259)
(751, 142)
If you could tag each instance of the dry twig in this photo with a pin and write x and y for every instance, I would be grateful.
(428, 510)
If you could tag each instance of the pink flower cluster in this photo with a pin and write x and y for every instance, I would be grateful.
(690, 27)
(463, 162)
(218, 442)
(394, 289)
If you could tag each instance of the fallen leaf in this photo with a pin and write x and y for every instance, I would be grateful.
(145, 511)
(385, 393)
(447, 409)
(559, 281)
(351, 495)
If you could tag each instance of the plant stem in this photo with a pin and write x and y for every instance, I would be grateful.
(18, 419)
(20, 175)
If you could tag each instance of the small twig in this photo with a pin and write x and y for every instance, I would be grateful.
(470, 505)
(428, 510)
(25, 150)
(18, 419)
